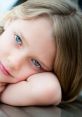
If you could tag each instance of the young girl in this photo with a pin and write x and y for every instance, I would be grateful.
(41, 53)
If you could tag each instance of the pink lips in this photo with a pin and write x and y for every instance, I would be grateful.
(4, 70)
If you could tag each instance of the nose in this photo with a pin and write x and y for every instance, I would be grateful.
(16, 61)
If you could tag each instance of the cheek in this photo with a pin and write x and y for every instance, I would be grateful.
(5, 43)
(25, 73)
(4, 49)
(6, 37)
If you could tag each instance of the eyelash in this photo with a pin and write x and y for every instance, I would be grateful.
(18, 40)
(36, 63)
(19, 43)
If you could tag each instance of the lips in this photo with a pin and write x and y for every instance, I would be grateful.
(4, 70)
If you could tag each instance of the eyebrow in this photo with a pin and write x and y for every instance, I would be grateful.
(40, 61)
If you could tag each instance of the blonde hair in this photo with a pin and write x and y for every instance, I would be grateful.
(67, 29)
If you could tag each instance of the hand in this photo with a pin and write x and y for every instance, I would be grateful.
(2, 86)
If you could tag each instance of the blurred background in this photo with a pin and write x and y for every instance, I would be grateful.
(6, 5)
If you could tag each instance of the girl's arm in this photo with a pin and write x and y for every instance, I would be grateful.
(2, 87)
(39, 89)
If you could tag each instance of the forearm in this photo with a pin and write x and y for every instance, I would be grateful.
(2, 87)
(39, 89)
(15, 94)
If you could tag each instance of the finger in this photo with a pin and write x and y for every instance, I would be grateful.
(2, 84)
(2, 88)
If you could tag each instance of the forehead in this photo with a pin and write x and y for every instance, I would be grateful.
(37, 30)
(38, 36)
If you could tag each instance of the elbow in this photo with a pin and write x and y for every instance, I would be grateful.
(50, 96)
(54, 96)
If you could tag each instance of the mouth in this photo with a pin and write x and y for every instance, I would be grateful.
(4, 70)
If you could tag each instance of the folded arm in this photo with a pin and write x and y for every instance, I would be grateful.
(2, 87)
(39, 89)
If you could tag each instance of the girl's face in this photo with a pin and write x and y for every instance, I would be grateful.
(26, 47)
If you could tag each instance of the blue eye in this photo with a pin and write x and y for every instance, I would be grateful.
(18, 40)
(36, 63)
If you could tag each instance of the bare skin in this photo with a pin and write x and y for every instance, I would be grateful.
(28, 63)
(39, 89)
